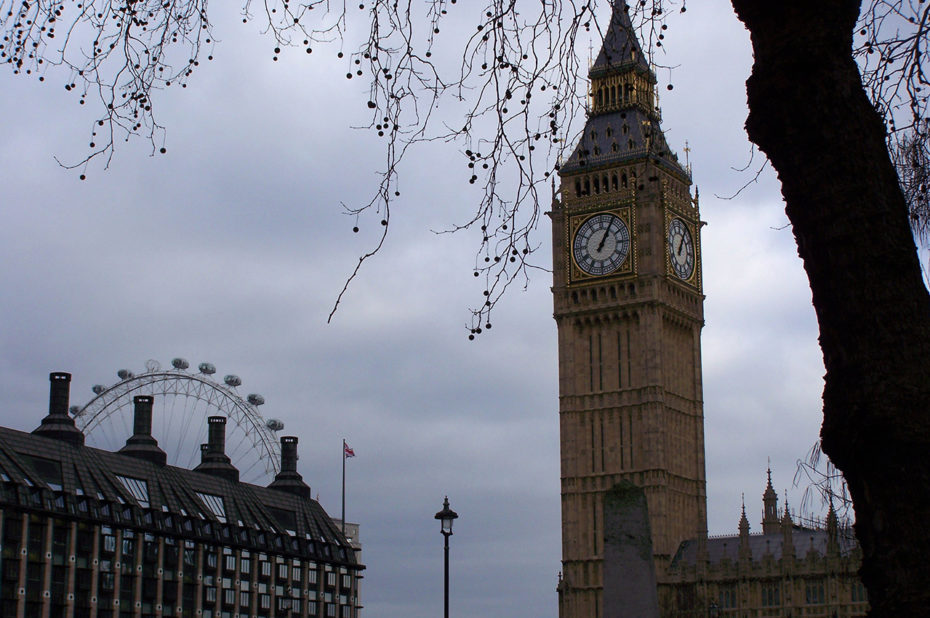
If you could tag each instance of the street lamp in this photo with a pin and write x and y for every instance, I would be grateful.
(446, 516)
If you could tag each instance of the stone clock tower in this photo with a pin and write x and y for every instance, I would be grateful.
(629, 309)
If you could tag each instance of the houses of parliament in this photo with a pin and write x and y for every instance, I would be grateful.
(628, 303)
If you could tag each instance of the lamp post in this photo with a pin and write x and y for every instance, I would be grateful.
(446, 516)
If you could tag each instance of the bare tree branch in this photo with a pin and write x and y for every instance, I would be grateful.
(518, 87)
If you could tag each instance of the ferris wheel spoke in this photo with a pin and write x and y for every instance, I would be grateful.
(185, 400)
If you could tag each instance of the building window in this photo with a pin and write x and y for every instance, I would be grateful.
(138, 488)
(215, 504)
(813, 592)
(771, 594)
(728, 597)
(859, 594)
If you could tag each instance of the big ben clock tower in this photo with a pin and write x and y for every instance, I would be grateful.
(629, 308)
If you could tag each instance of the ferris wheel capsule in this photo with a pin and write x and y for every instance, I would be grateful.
(186, 401)
(274, 424)
(206, 368)
(124, 374)
(180, 363)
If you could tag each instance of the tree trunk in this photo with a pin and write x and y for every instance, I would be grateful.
(811, 116)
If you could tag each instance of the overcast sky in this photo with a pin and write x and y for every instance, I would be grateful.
(232, 247)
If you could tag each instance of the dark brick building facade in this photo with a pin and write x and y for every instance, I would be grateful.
(87, 533)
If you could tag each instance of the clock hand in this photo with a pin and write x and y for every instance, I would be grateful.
(603, 239)
(680, 243)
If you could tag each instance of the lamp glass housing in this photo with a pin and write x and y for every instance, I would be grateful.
(446, 516)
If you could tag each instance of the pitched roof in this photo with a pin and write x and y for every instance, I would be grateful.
(46, 474)
(804, 540)
(613, 138)
(627, 132)
(620, 47)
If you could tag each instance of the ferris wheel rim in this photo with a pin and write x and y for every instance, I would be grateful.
(227, 400)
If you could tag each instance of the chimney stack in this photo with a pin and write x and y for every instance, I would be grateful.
(213, 458)
(142, 418)
(59, 424)
(217, 434)
(59, 393)
(289, 454)
(288, 479)
(142, 444)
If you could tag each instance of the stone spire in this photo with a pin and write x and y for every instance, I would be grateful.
(787, 530)
(744, 550)
(744, 522)
(770, 523)
(833, 540)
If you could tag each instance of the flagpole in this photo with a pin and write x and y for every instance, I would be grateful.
(343, 487)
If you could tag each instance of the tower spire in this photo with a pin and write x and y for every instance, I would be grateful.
(620, 48)
(623, 124)
(770, 519)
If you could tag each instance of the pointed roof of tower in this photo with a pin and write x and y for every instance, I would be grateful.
(744, 521)
(769, 490)
(620, 48)
(786, 518)
(832, 520)
(770, 520)
(623, 122)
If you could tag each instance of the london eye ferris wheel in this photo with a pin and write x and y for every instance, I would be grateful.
(183, 401)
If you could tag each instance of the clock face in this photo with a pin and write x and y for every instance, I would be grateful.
(680, 249)
(601, 244)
